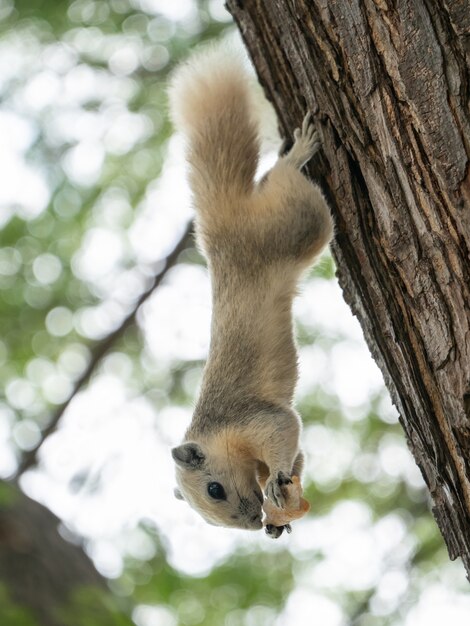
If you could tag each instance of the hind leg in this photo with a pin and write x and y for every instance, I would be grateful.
(307, 143)
(291, 211)
(296, 222)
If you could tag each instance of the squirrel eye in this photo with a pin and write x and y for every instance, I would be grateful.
(216, 491)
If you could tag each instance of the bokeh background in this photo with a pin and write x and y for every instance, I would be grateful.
(93, 198)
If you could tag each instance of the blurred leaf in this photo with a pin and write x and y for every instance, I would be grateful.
(11, 614)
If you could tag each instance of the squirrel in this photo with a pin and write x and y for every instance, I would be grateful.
(257, 238)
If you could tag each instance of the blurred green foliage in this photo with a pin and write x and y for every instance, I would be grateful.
(43, 298)
(92, 607)
(11, 613)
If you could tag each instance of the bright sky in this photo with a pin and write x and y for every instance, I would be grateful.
(111, 437)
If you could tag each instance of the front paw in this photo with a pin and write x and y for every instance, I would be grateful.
(276, 531)
(274, 488)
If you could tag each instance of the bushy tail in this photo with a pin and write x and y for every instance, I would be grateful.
(210, 102)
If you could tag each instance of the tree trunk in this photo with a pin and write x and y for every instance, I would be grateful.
(44, 579)
(388, 83)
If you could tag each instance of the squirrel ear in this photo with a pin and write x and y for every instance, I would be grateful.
(188, 456)
(178, 494)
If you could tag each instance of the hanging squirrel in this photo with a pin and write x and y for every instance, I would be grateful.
(257, 238)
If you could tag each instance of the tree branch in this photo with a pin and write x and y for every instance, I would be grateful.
(30, 458)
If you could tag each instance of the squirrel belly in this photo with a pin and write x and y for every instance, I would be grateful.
(257, 238)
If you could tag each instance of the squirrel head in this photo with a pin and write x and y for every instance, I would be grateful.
(222, 489)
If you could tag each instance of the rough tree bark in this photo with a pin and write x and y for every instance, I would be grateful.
(388, 82)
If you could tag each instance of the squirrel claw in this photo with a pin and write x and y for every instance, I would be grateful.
(276, 531)
(307, 124)
(283, 479)
(274, 489)
(307, 142)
